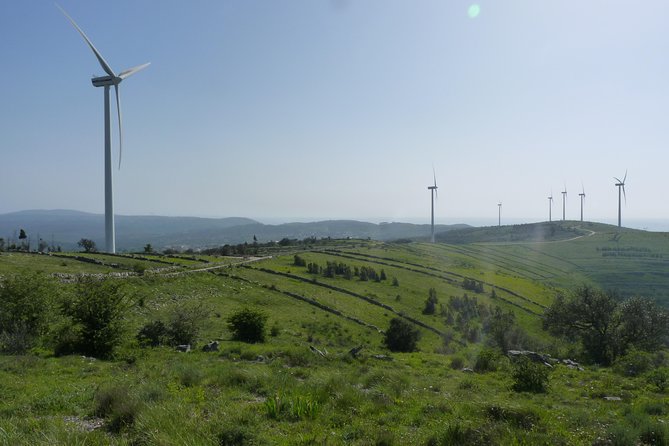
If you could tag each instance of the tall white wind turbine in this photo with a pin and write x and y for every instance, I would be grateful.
(550, 207)
(582, 195)
(564, 200)
(621, 185)
(433, 191)
(107, 81)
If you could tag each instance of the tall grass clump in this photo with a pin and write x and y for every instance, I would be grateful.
(118, 406)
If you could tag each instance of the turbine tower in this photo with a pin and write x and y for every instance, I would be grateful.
(499, 214)
(582, 195)
(107, 81)
(564, 200)
(550, 207)
(621, 185)
(433, 191)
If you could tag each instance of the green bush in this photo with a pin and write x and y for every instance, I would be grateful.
(26, 307)
(486, 361)
(401, 336)
(529, 376)
(185, 322)
(633, 363)
(153, 334)
(248, 325)
(118, 405)
(659, 378)
(97, 311)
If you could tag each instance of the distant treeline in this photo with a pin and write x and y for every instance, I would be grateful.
(244, 249)
(334, 269)
(631, 251)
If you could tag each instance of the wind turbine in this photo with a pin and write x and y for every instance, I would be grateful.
(550, 207)
(582, 195)
(499, 214)
(107, 81)
(564, 200)
(433, 191)
(621, 185)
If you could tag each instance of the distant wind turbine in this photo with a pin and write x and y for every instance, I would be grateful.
(564, 200)
(107, 81)
(550, 207)
(433, 191)
(621, 185)
(499, 214)
(582, 195)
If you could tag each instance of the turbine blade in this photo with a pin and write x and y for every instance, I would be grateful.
(120, 127)
(103, 63)
(618, 180)
(129, 72)
(624, 195)
(434, 175)
(625, 177)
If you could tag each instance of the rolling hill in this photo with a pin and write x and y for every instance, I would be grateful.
(67, 227)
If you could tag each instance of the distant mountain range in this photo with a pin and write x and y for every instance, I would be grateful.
(67, 227)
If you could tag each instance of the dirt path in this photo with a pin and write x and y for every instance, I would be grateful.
(591, 233)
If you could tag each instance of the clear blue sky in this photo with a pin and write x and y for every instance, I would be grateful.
(340, 108)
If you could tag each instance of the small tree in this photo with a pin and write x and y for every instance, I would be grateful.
(148, 249)
(97, 310)
(401, 336)
(248, 325)
(87, 244)
(431, 302)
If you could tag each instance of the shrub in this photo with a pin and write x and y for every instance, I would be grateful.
(401, 336)
(634, 363)
(457, 363)
(26, 304)
(523, 418)
(235, 435)
(486, 361)
(153, 334)
(139, 268)
(185, 322)
(529, 376)
(118, 405)
(97, 310)
(659, 378)
(248, 325)
(431, 302)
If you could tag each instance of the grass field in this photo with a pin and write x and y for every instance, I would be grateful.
(302, 386)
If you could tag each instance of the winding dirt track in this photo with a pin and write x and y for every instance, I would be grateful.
(591, 233)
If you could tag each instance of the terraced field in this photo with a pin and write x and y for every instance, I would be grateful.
(303, 385)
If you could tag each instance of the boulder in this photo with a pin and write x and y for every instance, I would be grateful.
(211, 347)
(183, 348)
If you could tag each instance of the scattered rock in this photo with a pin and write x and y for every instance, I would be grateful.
(467, 370)
(355, 350)
(613, 398)
(382, 357)
(183, 348)
(85, 424)
(317, 351)
(211, 347)
(261, 358)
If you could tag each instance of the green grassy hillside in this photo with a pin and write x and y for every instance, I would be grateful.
(302, 386)
(626, 261)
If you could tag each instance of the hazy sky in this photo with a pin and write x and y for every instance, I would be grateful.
(333, 108)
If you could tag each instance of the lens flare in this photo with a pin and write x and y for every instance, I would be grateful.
(474, 11)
